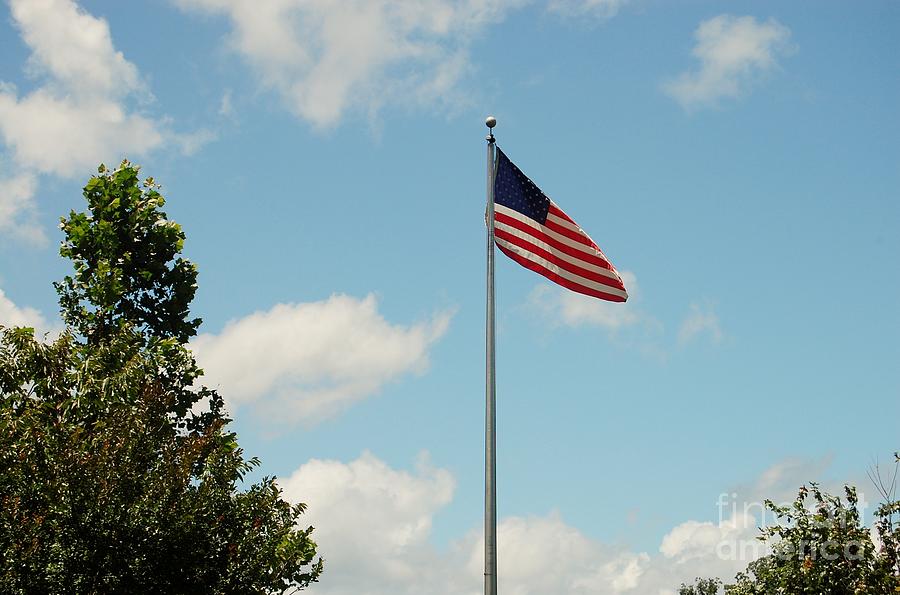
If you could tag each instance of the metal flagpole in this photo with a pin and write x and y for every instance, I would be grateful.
(490, 422)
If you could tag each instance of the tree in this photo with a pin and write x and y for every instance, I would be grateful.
(824, 548)
(821, 546)
(703, 586)
(124, 250)
(113, 480)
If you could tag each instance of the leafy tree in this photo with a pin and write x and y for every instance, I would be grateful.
(703, 586)
(821, 547)
(113, 481)
(126, 266)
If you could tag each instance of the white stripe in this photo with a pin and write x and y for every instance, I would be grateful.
(574, 227)
(544, 229)
(562, 272)
(558, 253)
(566, 223)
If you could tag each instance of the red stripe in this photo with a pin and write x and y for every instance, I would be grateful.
(563, 264)
(559, 213)
(560, 280)
(594, 259)
(581, 238)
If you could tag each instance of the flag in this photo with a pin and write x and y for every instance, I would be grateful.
(532, 230)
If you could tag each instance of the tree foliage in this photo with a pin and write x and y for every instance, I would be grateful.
(820, 546)
(703, 586)
(113, 481)
(127, 268)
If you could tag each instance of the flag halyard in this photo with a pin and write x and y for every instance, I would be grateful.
(533, 231)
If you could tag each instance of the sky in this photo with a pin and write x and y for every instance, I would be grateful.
(738, 162)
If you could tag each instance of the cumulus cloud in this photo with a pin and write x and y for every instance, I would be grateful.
(327, 58)
(741, 511)
(73, 48)
(12, 315)
(373, 522)
(309, 361)
(702, 320)
(83, 109)
(68, 136)
(734, 52)
(602, 9)
(730, 539)
(373, 525)
(543, 554)
(78, 116)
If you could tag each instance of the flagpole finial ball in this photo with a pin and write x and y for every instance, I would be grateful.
(490, 121)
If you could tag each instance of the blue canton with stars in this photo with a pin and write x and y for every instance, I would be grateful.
(514, 190)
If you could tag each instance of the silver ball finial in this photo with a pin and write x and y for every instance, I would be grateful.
(490, 121)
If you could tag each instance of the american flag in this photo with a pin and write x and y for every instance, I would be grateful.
(532, 230)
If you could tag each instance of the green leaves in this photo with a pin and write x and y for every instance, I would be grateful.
(112, 482)
(125, 255)
(820, 545)
(703, 586)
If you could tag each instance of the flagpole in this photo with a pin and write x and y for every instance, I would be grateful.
(490, 421)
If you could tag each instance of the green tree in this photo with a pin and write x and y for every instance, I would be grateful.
(127, 268)
(820, 546)
(112, 480)
(703, 586)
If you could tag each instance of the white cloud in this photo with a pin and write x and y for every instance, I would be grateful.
(626, 323)
(17, 208)
(602, 9)
(731, 539)
(308, 361)
(191, 142)
(701, 320)
(73, 48)
(12, 315)
(572, 309)
(373, 525)
(327, 58)
(780, 481)
(67, 136)
(82, 110)
(78, 116)
(733, 53)
(543, 554)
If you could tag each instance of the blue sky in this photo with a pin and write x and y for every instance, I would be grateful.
(738, 162)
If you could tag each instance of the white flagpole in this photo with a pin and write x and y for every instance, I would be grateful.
(490, 421)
